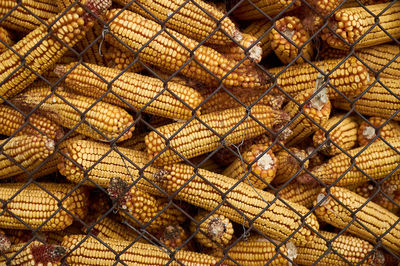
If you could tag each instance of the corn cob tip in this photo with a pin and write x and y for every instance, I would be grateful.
(285, 134)
(320, 99)
(306, 179)
(97, 7)
(118, 189)
(60, 70)
(368, 132)
(47, 254)
(281, 121)
(159, 177)
(255, 53)
(216, 228)
(291, 250)
(50, 144)
(5, 243)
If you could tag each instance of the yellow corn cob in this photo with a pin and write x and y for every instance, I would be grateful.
(169, 55)
(259, 29)
(357, 214)
(247, 45)
(135, 89)
(35, 253)
(142, 208)
(257, 251)
(276, 221)
(212, 231)
(21, 20)
(377, 161)
(342, 133)
(289, 164)
(222, 100)
(189, 19)
(366, 131)
(352, 23)
(350, 78)
(35, 207)
(327, 53)
(120, 59)
(291, 28)
(174, 236)
(345, 249)
(45, 51)
(195, 139)
(314, 112)
(91, 117)
(135, 143)
(49, 167)
(6, 38)
(89, 251)
(247, 11)
(303, 194)
(27, 153)
(258, 167)
(377, 101)
(12, 120)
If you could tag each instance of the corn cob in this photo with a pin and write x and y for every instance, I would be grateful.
(136, 90)
(44, 50)
(5, 242)
(17, 17)
(350, 78)
(342, 133)
(35, 207)
(277, 221)
(121, 59)
(352, 23)
(290, 28)
(366, 131)
(202, 25)
(345, 249)
(212, 231)
(12, 120)
(35, 253)
(5, 39)
(377, 101)
(354, 3)
(195, 139)
(258, 167)
(377, 161)
(327, 53)
(26, 153)
(260, 30)
(310, 116)
(209, 164)
(174, 236)
(221, 100)
(303, 194)
(89, 251)
(169, 55)
(248, 45)
(289, 164)
(247, 11)
(49, 167)
(70, 109)
(142, 208)
(357, 214)
(19, 236)
(257, 251)
(177, 78)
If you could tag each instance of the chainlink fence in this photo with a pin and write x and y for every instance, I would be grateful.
(20, 212)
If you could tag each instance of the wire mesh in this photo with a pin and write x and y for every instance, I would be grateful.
(136, 194)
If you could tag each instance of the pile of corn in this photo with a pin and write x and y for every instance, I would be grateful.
(199, 132)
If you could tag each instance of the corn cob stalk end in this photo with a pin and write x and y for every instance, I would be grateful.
(47, 254)
(5, 243)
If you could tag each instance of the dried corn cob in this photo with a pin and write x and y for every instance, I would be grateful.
(136, 90)
(257, 251)
(328, 53)
(40, 52)
(247, 45)
(83, 114)
(377, 101)
(49, 167)
(27, 153)
(247, 11)
(345, 249)
(12, 120)
(35, 207)
(5, 39)
(258, 167)
(303, 194)
(89, 251)
(277, 221)
(120, 59)
(17, 17)
(350, 78)
(259, 29)
(202, 25)
(212, 231)
(358, 214)
(366, 131)
(289, 164)
(174, 236)
(377, 161)
(169, 55)
(35, 253)
(290, 28)
(352, 23)
(195, 138)
(310, 116)
(342, 133)
(209, 164)
(354, 3)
